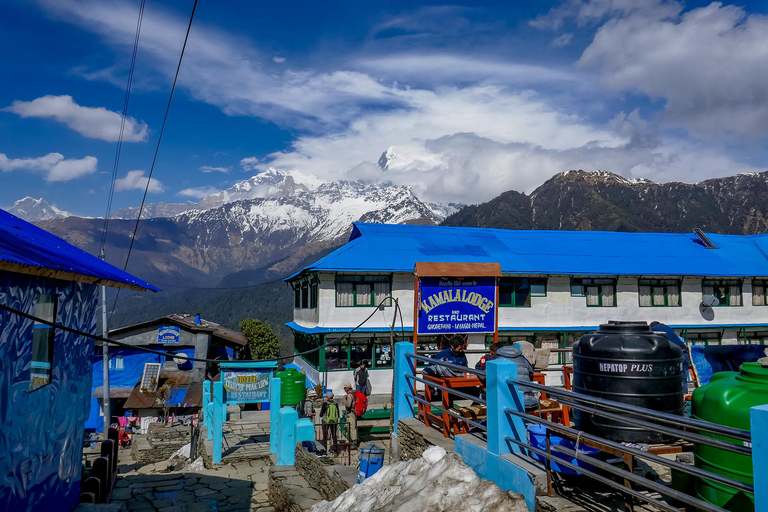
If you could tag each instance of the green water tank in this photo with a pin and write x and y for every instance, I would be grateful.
(292, 387)
(726, 400)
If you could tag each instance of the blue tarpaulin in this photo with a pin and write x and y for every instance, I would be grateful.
(710, 359)
(176, 398)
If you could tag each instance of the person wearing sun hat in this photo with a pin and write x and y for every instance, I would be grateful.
(349, 405)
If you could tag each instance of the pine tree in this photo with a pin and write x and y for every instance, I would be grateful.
(262, 341)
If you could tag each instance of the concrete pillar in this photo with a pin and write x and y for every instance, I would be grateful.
(500, 396)
(402, 405)
(219, 416)
(274, 410)
(759, 425)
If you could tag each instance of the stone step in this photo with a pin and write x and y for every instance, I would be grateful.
(289, 492)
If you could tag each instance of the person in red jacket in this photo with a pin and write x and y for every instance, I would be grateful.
(491, 355)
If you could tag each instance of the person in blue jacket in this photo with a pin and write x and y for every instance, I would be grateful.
(453, 354)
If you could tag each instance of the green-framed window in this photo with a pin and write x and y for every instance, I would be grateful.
(43, 335)
(303, 342)
(363, 291)
(726, 291)
(305, 293)
(599, 292)
(658, 292)
(753, 338)
(516, 292)
(760, 292)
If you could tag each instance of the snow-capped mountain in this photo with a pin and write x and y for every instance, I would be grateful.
(32, 210)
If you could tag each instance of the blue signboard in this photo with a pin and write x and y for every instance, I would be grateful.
(449, 306)
(168, 335)
(246, 385)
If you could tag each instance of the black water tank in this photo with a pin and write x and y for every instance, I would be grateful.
(627, 362)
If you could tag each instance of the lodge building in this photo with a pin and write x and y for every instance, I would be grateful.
(556, 286)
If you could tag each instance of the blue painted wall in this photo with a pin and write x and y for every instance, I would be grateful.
(41, 433)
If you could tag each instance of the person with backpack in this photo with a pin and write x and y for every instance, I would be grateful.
(306, 408)
(329, 417)
(355, 405)
(362, 383)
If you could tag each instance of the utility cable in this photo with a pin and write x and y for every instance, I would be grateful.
(157, 149)
(170, 354)
(116, 163)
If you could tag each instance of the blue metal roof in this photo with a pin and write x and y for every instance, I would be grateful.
(26, 248)
(397, 247)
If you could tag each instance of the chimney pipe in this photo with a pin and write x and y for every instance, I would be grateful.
(197, 319)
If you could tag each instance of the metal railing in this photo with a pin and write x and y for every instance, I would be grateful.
(676, 427)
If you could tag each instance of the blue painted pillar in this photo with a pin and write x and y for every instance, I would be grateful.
(274, 411)
(500, 396)
(219, 416)
(206, 407)
(403, 405)
(758, 417)
(286, 436)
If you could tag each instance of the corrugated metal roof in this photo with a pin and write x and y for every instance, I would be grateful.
(27, 249)
(397, 247)
(187, 321)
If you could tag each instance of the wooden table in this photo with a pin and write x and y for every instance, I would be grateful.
(450, 424)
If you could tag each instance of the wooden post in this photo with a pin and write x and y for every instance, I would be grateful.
(496, 314)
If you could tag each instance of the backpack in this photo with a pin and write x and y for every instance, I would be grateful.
(360, 405)
(332, 413)
(368, 387)
(300, 409)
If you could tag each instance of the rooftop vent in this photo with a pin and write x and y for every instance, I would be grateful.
(704, 239)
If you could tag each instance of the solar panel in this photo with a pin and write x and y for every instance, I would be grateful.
(150, 377)
(704, 239)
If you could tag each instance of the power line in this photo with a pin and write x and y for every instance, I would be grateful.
(157, 148)
(128, 86)
(170, 354)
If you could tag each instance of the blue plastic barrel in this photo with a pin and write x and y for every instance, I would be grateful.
(371, 460)
(538, 439)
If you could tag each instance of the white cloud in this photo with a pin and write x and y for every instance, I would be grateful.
(279, 60)
(208, 168)
(710, 65)
(53, 165)
(198, 192)
(94, 123)
(594, 11)
(250, 163)
(562, 40)
(135, 180)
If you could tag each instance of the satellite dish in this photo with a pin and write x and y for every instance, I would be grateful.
(180, 358)
(708, 301)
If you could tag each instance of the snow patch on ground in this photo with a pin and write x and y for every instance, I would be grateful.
(436, 482)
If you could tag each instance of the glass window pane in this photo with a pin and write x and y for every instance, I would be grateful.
(593, 296)
(658, 296)
(609, 298)
(522, 294)
(538, 289)
(673, 295)
(645, 295)
(380, 292)
(505, 294)
(735, 296)
(336, 357)
(345, 294)
(305, 296)
(362, 294)
(42, 342)
(297, 298)
(758, 295)
(577, 289)
(360, 351)
(383, 355)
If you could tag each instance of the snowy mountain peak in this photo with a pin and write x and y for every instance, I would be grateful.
(33, 210)
(387, 157)
(270, 183)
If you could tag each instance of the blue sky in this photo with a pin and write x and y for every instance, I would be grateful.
(473, 99)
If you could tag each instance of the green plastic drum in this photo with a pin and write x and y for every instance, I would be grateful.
(726, 400)
(292, 387)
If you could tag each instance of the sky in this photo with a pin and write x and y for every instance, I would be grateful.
(470, 99)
